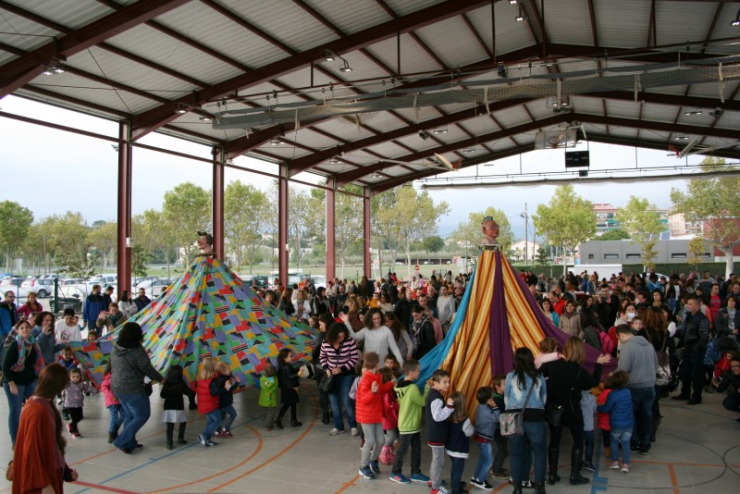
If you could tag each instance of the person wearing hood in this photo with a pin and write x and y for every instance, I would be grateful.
(637, 356)
(130, 364)
(95, 303)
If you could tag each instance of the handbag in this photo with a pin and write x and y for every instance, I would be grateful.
(663, 372)
(553, 414)
(326, 383)
(512, 423)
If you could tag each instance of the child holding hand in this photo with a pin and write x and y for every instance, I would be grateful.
(370, 414)
(268, 394)
(436, 413)
(390, 416)
(619, 407)
(458, 441)
(223, 387)
(486, 417)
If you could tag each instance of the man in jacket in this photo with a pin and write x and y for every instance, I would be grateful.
(8, 319)
(694, 339)
(637, 356)
(142, 300)
(95, 303)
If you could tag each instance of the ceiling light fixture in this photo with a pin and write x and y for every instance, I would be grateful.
(424, 136)
(736, 22)
(275, 141)
(205, 118)
(469, 150)
(346, 67)
(53, 67)
(334, 161)
(328, 56)
(682, 138)
(512, 2)
(502, 72)
(230, 161)
(692, 112)
(440, 130)
(521, 15)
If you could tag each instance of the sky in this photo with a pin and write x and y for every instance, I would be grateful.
(51, 171)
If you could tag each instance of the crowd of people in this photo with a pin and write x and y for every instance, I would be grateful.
(666, 333)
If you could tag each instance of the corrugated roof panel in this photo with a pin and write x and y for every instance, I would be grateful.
(456, 107)
(710, 90)
(124, 71)
(6, 57)
(675, 90)
(151, 44)
(203, 24)
(568, 24)
(70, 13)
(308, 137)
(350, 16)
(413, 58)
(584, 104)
(511, 117)
(510, 35)
(481, 124)
(64, 104)
(623, 109)
(620, 131)
(658, 113)
(623, 24)
(345, 130)
(540, 109)
(724, 29)
(13, 28)
(419, 115)
(674, 22)
(284, 152)
(455, 51)
(405, 7)
(385, 149)
(704, 120)
(500, 144)
(285, 21)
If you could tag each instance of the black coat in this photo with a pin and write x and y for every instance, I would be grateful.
(288, 380)
(173, 395)
(565, 381)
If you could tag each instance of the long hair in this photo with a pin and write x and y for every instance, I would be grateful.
(53, 379)
(131, 335)
(173, 383)
(283, 355)
(369, 317)
(207, 369)
(39, 319)
(461, 411)
(655, 321)
(524, 366)
(574, 351)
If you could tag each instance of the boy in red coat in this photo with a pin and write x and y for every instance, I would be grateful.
(369, 413)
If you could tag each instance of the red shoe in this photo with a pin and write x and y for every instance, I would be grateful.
(225, 433)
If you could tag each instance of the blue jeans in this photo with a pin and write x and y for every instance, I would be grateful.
(458, 465)
(15, 403)
(534, 441)
(485, 460)
(340, 396)
(116, 418)
(621, 436)
(212, 423)
(228, 414)
(642, 406)
(692, 374)
(136, 410)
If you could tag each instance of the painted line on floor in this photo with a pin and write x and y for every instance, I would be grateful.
(598, 483)
(674, 481)
(275, 457)
(218, 474)
(673, 463)
(102, 487)
(348, 484)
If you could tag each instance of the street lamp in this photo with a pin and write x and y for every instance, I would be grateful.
(525, 215)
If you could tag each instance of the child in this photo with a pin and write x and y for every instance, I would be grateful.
(619, 407)
(288, 382)
(602, 394)
(486, 418)
(113, 405)
(436, 414)
(68, 360)
(391, 362)
(357, 431)
(74, 400)
(225, 397)
(390, 416)
(549, 352)
(458, 441)
(173, 388)
(502, 445)
(410, 402)
(92, 337)
(207, 402)
(268, 394)
(370, 414)
(588, 408)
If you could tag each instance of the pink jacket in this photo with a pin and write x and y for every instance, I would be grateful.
(390, 409)
(110, 398)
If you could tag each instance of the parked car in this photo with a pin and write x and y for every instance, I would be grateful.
(319, 281)
(154, 288)
(70, 296)
(42, 286)
(12, 280)
(259, 280)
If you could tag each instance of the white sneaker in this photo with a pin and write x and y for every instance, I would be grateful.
(336, 432)
(355, 431)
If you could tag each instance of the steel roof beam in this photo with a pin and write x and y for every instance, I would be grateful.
(20, 71)
(152, 119)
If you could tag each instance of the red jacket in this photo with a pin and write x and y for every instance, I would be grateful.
(369, 405)
(603, 418)
(390, 408)
(206, 401)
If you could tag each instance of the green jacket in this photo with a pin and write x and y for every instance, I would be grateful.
(411, 403)
(268, 391)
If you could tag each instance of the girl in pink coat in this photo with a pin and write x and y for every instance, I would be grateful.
(390, 417)
(113, 406)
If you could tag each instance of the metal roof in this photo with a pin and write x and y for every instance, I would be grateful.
(142, 60)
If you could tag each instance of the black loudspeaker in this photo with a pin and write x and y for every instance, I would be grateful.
(583, 173)
(575, 159)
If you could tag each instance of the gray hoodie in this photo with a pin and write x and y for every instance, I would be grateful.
(638, 357)
(128, 368)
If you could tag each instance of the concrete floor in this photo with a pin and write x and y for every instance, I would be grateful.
(698, 451)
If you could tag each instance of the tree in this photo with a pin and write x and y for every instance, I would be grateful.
(416, 217)
(186, 210)
(617, 234)
(298, 213)
(568, 220)
(435, 243)
(640, 219)
(696, 251)
(384, 226)
(469, 233)
(103, 237)
(139, 258)
(348, 226)
(15, 220)
(246, 213)
(542, 258)
(716, 203)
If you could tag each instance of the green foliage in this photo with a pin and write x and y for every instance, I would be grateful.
(246, 214)
(470, 231)
(567, 220)
(348, 211)
(139, 258)
(716, 202)
(617, 234)
(78, 264)
(103, 238)
(640, 219)
(541, 258)
(15, 220)
(696, 251)
(435, 243)
(186, 210)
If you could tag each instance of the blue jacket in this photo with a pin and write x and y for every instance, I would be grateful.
(47, 344)
(94, 305)
(516, 397)
(486, 420)
(619, 407)
(8, 318)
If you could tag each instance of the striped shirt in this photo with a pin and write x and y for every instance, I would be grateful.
(345, 357)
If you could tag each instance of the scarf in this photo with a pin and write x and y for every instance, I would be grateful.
(23, 352)
(416, 331)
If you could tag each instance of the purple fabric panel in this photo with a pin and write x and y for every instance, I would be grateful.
(555, 333)
(502, 355)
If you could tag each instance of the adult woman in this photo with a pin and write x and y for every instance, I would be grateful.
(38, 461)
(657, 298)
(127, 305)
(377, 337)
(130, 364)
(546, 307)
(21, 368)
(30, 308)
(320, 302)
(519, 383)
(353, 313)
(403, 340)
(384, 304)
(339, 356)
(566, 378)
(656, 330)
(728, 319)
(45, 337)
(422, 331)
(403, 307)
(323, 322)
(286, 302)
(302, 306)
(570, 321)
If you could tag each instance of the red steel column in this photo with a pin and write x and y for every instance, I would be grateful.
(283, 251)
(367, 261)
(218, 202)
(125, 162)
(331, 260)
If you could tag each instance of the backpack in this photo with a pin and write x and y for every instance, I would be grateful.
(599, 339)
